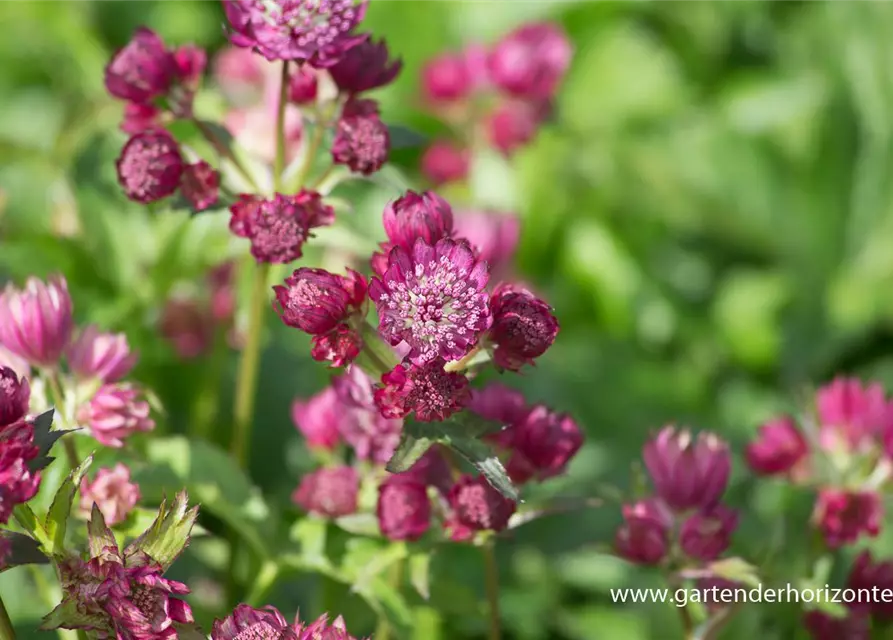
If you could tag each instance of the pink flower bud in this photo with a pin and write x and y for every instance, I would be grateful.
(428, 390)
(15, 395)
(707, 534)
(140, 117)
(365, 67)
(111, 491)
(868, 574)
(687, 472)
(842, 516)
(512, 125)
(303, 86)
(644, 536)
(246, 622)
(404, 510)
(330, 492)
(187, 327)
(444, 162)
(543, 444)
(340, 346)
(191, 62)
(143, 70)
(316, 301)
(852, 414)
(105, 356)
(321, 630)
(431, 470)
(200, 185)
(362, 142)
(780, 447)
(117, 411)
(531, 61)
(523, 326)
(372, 436)
(500, 404)
(494, 236)
(36, 322)
(18, 483)
(478, 506)
(317, 418)
(822, 626)
(150, 166)
(446, 78)
(417, 215)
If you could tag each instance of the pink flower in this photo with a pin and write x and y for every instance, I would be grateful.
(531, 61)
(403, 510)
(512, 125)
(248, 623)
(842, 516)
(187, 326)
(362, 142)
(822, 626)
(446, 78)
(321, 630)
(240, 74)
(644, 536)
(330, 492)
(316, 301)
(143, 70)
(104, 356)
(139, 117)
(543, 444)
(36, 322)
(307, 30)
(303, 85)
(500, 404)
(111, 491)
(494, 236)
(279, 227)
(254, 129)
(433, 298)
(200, 185)
(116, 412)
(340, 346)
(431, 470)
(150, 166)
(365, 67)
(18, 483)
(524, 326)
(317, 418)
(478, 506)
(707, 534)
(852, 414)
(868, 574)
(687, 472)
(372, 436)
(780, 447)
(429, 391)
(15, 395)
(417, 215)
(443, 162)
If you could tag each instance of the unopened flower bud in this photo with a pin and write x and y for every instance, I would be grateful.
(15, 395)
(443, 162)
(403, 510)
(417, 215)
(524, 326)
(478, 506)
(330, 492)
(779, 448)
(150, 166)
(117, 411)
(36, 321)
(707, 534)
(200, 185)
(103, 356)
(531, 61)
(112, 491)
(644, 536)
(842, 516)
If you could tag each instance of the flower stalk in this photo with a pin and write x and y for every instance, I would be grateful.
(491, 576)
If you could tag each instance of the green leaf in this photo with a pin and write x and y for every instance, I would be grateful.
(405, 138)
(99, 536)
(44, 439)
(408, 452)
(68, 615)
(485, 461)
(470, 425)
(60, 510)
(361, 524)
(736, 570)
(420, 573)
(29, 522)
(165, 540)
(310, 533)
(22, 550)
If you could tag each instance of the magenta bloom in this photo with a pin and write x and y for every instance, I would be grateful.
(500, 404)
(842, 516)
(143, 70)
(365, 67)
(240, 74)
(200, 185)
(428, 390)
(512, 125)
(524, 326)
(247, 623)
(279, 227)
(372, 436)
(320, 629)
(317, 418)
(543, 444)
(18, 483)
(150, 166)
(303, 85)
(780, 447)
(105, 356)
(446, 78)
(187, 326)
(417, 215)
(35, 322)
(404, 510)
(433, 298)
(318, 31)
(362, 142)
(707, 534)
(822, 626)
(531, 61)
(330, 492)
(15, 395)
(444, 162)
(117, 411)
(112, 492)
(852, 414)
(431, 470)
(494, 236)
(316, 301)
(866, 573)
(340, 346)
(139, 117)
(478, 506)
(644, 536)
(687, 472)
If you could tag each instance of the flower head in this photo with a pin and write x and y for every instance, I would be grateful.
(116, 412)
(303, 85)
(248, 623)
(842, 516)
(150, 166)
(531, 61)
(104, 356)
(446, 78)
(433, 298)
(340, 346)
(444, 162)
(112, 492)
(200, 185)
(36, 321)
(144, 69)
(512, 125)
(320, 629)
(543, 443)
(318, 31)
(139, 117)
(316, 301)
(707, 534)
(851, 414)
(362, 142)
(779, 449)
(501, 404)
(403, 510)
(371, 435)
(494, 236)
(417, 215)
(15, 395)
(18, 483)
(687, 471)
(868, 573)
(856, 625)
(365, 67)
(478, 506)
(331, 492)
(524, 326)
(644, 536)
(428, 390)
(317, 418)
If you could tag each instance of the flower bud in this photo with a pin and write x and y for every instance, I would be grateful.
(321, 630)
(404, 510)
(707, 534)
(531, 61)
(143, 70)
(15, 395)
(18, 483)
(852, 414)
(478, 506)
(365, 67)
(644, 536)
(446, 78)
(842, 516)
(340, 346)
(150, 166)
(362, 142)
(417, 215)
(500, 404)
(523, 326)
(104, 356)
(200, 185)
(36, 322)
(444, 162)
(543, 444)
(111, 491)
(780, 447)
(316, 301)
(117, 411)
(868, 574)
(246, 622)
(512, 125)
(330, 492)
(303, 86)
(317, 419)
(140, 117)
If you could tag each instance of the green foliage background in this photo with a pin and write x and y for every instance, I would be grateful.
(710, 214)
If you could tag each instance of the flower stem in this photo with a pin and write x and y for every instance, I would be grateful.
(395, 578)
(223, 149)
(59, 401)
(491, 575)
(206, 405)
(279, 161)
(6, 630)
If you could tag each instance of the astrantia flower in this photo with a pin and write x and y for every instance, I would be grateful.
(851, 414)
(512, 125)
(779, 448)
(18, 483)
(707, 534)
(433, 298)
(14, 397)
(365, 67)
(279, 227)
(303, 85)
(340, 346)
(371, 435)
(524, 326)
(868, 573)
(115, 412)
(112, 491)
(200, 185)
(144, 69)
(446, 78)
(320, 629)
(417, 215)
(855, 625)
(493, 235)
(842, 516)
(543, 443)
(36, 322)
(531, 61)
(403, 509)
(248, 623)
(429, 391)
(316, 301)
(444, 162)
(362, 142)
(644, 536)
(318, 31)
(139, 117)
(104, 356)
(478, 506)
(150, 166)
(330, 492)
(317, 418)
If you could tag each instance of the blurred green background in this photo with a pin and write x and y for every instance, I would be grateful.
(710, 214)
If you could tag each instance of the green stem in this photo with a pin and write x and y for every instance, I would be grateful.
(206, 405)
(51, 599)
(279, 161)
(225, 151)
(491, 575)
(312, 147)
(263, 584)
(395, 579)
(6, 630)
(59, 401)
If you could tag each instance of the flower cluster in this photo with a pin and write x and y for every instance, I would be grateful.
(248, 623)
(19, 482)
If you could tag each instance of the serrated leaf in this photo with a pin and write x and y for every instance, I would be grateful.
(68, 615)
(22, 550)
(408, 452)
(420, 573)
(484, 460)
(403, 137)
(57, 517)
(165, 540)
(469, 425)
(44, 439)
